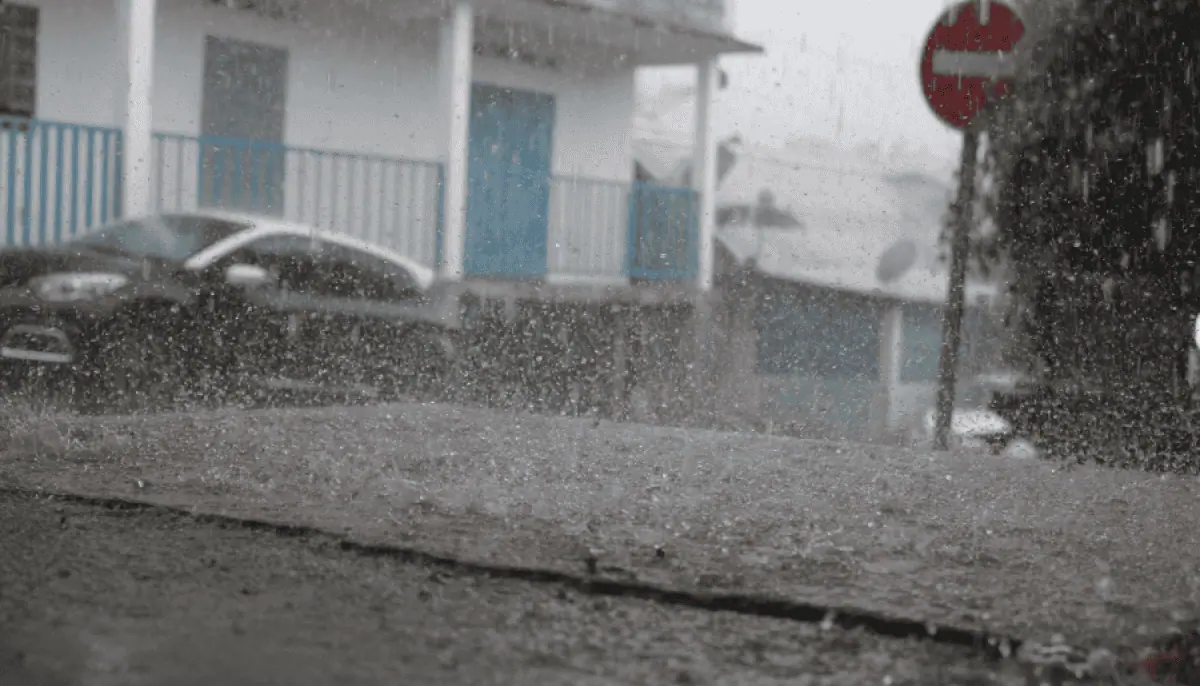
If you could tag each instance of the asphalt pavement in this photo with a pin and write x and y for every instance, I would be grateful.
(1026, 549)
(99, 596)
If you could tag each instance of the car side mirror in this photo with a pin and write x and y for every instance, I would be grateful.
(247, 276)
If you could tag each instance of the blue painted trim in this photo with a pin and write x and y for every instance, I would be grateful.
(10, 181)
(178, 173)
(244, 170)
(90, 184)
(35, 180)
(663, 221)
(632, 238)
(58, 183)
(157, 144)
(27, 217)
(74, 219)
(104, 197)
(118, 196)
(218, 179)
(24, 121)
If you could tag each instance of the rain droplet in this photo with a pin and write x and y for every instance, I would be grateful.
(827, 622)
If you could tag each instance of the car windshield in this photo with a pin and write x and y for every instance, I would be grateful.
(167, 237)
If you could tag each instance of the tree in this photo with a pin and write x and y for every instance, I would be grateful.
(1093, 182)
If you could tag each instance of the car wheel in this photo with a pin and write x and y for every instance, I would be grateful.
(141, 365)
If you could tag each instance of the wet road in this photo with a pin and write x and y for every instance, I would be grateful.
(90, 595)
(1024, 549)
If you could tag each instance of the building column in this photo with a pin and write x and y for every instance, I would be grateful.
(701, 356)
(136, 29)
(456, 47)
(704, 169)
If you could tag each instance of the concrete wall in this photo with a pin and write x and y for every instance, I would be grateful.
(845, 403)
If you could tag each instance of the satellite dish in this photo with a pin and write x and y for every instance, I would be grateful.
(896, 260)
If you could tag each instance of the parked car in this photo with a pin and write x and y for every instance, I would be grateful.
(141, 308)
(974, 424)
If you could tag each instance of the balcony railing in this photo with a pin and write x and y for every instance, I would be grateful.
(663, 233)
(388, 201)
(610, 229)
(56, 179)
(588, 220)
(59, 179)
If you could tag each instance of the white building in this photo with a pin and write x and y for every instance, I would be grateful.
(852, 284)
(489, 137)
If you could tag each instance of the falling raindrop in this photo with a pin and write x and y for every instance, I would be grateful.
(827, 623)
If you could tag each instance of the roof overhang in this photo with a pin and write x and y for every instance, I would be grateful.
(751, 247)
(567, 25)
(549, 33)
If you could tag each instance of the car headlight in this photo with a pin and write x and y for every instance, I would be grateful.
(71, 287)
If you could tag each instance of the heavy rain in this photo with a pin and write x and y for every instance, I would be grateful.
(599, 342)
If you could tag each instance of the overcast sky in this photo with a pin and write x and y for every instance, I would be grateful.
(844, 70)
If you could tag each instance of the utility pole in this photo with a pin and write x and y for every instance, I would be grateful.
(960, 244)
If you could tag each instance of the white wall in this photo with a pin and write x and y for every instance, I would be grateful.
(356, 84)
(78, 61)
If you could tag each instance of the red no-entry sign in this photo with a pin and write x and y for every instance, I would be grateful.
(968, 59)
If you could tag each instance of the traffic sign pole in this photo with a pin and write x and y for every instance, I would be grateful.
(960, 243)
(968, 61)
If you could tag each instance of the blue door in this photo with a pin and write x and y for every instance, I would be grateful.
(508, 187)
(243, 108)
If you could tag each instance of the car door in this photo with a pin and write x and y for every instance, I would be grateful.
(367, 301)
(266, 329)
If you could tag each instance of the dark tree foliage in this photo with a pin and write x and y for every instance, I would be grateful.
(1094, 188)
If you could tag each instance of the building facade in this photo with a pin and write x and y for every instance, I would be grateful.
(488, 138)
